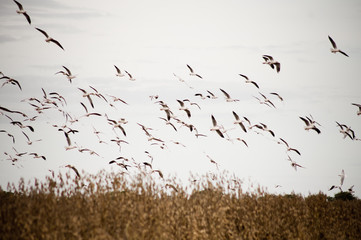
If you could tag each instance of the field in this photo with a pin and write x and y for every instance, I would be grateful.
(120, 206)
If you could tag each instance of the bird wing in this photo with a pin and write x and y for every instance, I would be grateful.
(42, 31)
(295, 150)
(268, 56)
(118, 71)
(243, 76)
(254, 83)
(188, 113)
(243, 127)
(305, 120)
(17, 83)
(57, 43)
(317, 130)
(67, 69)
(284, 142)
(180, 102)
(225, 93)
(90, 100)
(128, 74)
(214, 121)
(67, 138)
(190, 69)
(220, 133)
(235, 115)
(278, 67)
(27, 17)
(19, 5)
(332, 42)
(343, 53)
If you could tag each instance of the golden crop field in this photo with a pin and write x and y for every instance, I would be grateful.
(119, 206)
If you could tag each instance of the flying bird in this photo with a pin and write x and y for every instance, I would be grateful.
(192, 73)
(228, 97)
(87, 95)
(276, 94)
(49, 39)
(22, 11)
(74, 169)
(119, 73)
(342, 176)
(265, 100)
(67, 74)
(130, 76)
(249, 81)
(289, 148)
(273, 63)
(184, 108)
(215, 127)
(239, 121)
(310, 124)
(10, 81)
(346, 131)
(334, 48)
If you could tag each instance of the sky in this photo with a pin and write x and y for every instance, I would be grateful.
(154, 41)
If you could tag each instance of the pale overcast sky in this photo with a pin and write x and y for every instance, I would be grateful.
(153, 40)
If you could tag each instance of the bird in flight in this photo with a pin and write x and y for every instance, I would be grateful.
(10, 81)
(192, 73)
(249, 81)
(228, 97)
(68, 74)
(216, 127)
(22, 11)
(119, 73)
(310, 124)
(239, 121)
(334, 48)
(49, 39)
(273, 63)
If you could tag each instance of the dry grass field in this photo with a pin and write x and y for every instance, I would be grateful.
(120, 206)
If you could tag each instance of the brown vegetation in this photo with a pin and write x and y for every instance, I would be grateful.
(118, 206)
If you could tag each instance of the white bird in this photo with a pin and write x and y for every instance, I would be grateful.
(249, 81)
(310, 124)
(265, 100)
(215, 127)
(74, 169)
(192, 73)
(119, 73)
(184, 108)
(211, 95)
(346, 131)
(289, 148)
(276, 94)
(228, 97)
(130, 76)
(87, 95)
(10, 81)
(49, 39)
(342, 176)
(270, 61)
(294, 164)
(22, 11)
(239, 121)
(67, 74)
(264, 127)
(334, 48)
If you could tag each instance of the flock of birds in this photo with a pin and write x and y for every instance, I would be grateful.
(55, 101)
